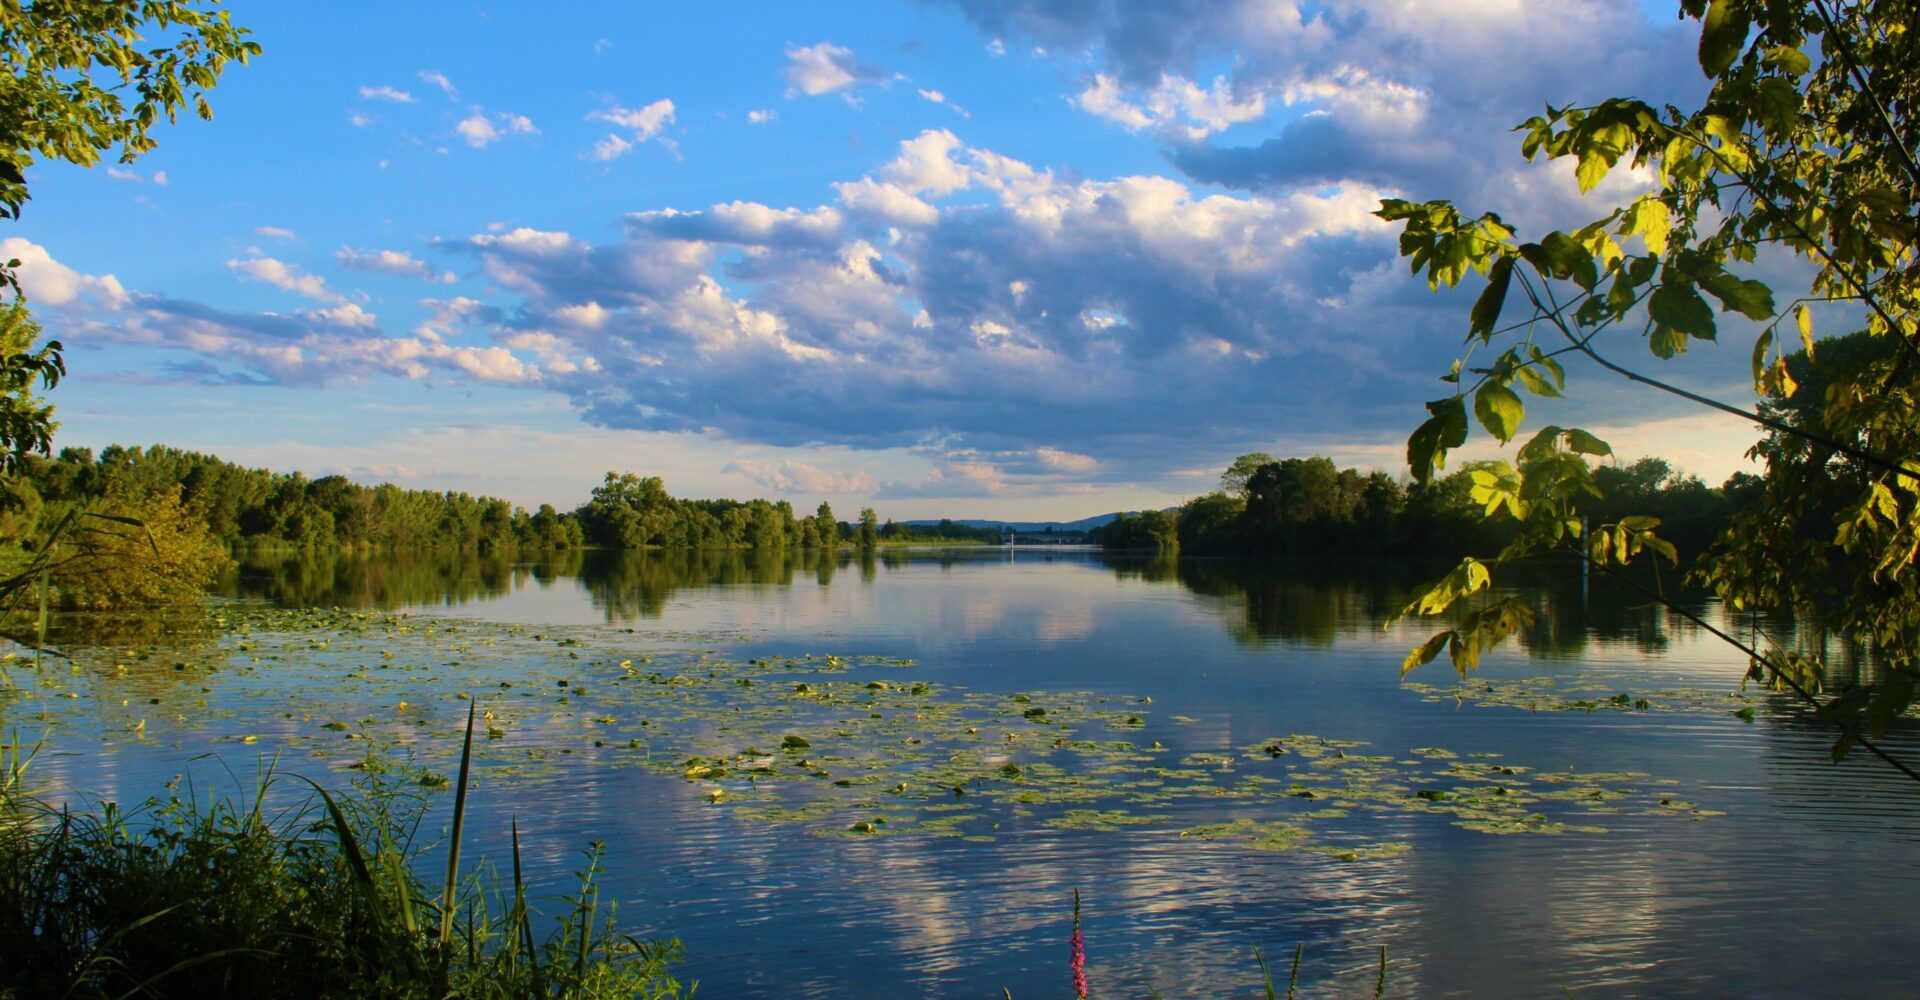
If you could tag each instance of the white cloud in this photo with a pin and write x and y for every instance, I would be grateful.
(385, 93)
(1176, 106)
(925, 165)
(746, 223)
(133, 176)
(276, 233)
(358, 120)
(399, 262)
(792, 477)
(824, 68)
(883, 200)
(452, 313)
(346, 314)
(611, 148)
(480, 129)
(644, 123)
(285, 276)
(440, 80)
(527, 239)
(641, 124)
(1412, 94)
(762, 116)
(1066, 461)
(48, 282)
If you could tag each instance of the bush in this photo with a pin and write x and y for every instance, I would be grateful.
(136, 552)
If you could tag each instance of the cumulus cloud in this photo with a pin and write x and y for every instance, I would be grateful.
(1054, 327)
(449, 316)
(481, 129)
(744, 223)
(1413, 94)
(345, 314)
(284, 276)
(825, 68)
(312, 347)
(1177, 107)
(385, 93)
(641, 124)
(399, 262)
(1021, 328)
(48, 282)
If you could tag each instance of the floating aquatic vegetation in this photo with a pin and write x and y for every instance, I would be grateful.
(1548, 694)
(834, 744)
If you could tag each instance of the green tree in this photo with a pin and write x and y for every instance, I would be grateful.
(26, 421)
(166, 556)
(1803, 147)
(1210, 521)
(869, 535)
(77, 82)
(1233, 482)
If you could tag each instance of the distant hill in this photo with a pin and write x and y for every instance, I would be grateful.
(1084, 524)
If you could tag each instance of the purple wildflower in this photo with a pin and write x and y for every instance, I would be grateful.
(1079, 964)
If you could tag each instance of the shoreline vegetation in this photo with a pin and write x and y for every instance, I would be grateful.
(167, 524)
(164, 524)
(1308, 508)
(317, 897)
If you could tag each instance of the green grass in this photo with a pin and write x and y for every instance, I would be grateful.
(181, 897)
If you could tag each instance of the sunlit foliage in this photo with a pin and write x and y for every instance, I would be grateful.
(1802, 148)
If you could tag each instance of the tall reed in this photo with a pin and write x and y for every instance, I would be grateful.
(185, 898)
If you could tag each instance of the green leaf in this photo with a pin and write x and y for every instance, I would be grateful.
(1424, 653)
(1582, 443)
(1665, 342)
(1535, 382)
(1566, 258)
(1593, 169)
(1777, 103)
(1788, 59)
(1723, 34)
(1499, 410)
(1486, 309)
(1751, 299)
(1760, 347)
(1551, 366)
(1648, 219)
(1676, 304)
(1446, 429)
(1466, 579)
(1541, 445)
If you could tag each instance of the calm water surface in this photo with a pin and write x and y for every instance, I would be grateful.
(1736, 860)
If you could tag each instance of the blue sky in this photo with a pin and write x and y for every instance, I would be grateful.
(1026, 258)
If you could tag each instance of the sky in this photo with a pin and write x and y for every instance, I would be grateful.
(1034, 259)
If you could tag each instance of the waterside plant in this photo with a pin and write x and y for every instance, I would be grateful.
(319, 898)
